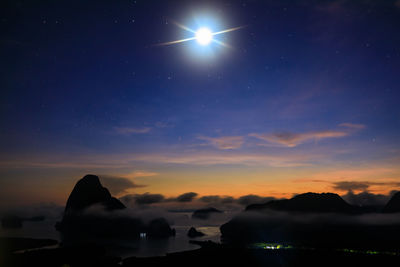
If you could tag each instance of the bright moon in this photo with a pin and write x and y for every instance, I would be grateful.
(204, 36)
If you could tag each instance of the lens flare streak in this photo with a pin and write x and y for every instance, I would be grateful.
(196, 35)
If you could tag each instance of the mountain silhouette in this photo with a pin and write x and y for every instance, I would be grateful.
(159, 227)
(88, 191)
(312, 219)
(80, 222)
(192, 233)
(393, 205)
(307, 202)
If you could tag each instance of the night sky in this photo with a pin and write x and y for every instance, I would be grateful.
(304, 97)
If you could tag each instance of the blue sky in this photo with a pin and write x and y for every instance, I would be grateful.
(305, 87)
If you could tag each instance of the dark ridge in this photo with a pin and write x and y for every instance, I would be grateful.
(77, 225)
(328, 222)
(210, 254)
(308, 202)
(393, 205)
(194, 233)
(89, 191)
(159, 228)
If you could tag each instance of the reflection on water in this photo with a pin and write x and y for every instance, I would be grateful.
(143, 247)
(158, 247)
(31, 229)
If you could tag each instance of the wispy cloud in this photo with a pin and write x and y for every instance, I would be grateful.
(360, 174)
(366, 198)
(224, 142)
(217, 199)
(253, 199)
(354, 126)
(350, 185)
(143, 130)
(132, 130)
(186, 197)
(142, 199)
(360, 185)
(118, 185)
(290, 139)
(231, 159)
(191, 197)
(141, 173)
(126, 161)
(161, 124)
(369, 178)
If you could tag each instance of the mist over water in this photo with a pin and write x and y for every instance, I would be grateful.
(144, 247)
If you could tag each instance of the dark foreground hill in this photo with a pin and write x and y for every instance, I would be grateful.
(91, 211)
(88, 191)
(315, 220)
(393, 205)
(210, 254)
(308, 202)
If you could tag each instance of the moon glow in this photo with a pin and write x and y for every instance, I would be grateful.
(204, 36)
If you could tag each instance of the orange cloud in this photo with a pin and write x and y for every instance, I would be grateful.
(353, 126)
(294, 139)
(290, 139)
(141, 173)
(224, 142)
(125, 161)
(372, 178)
(230, 159)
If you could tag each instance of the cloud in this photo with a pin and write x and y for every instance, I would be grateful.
(141, 173)
(366, 198)
(360, 185)
(350, 185)
(142, 199)
(217, 199)
(117, 185)
(291, 160)
(290, 139)
(160, 124)
(364, 174)
(253, 199)
(131, 130)
(224, 142)
(186, 197)
(353, 126)
(49, 210)
(125, 161)
(147, 198)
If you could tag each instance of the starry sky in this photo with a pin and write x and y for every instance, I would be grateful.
(305, 97)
